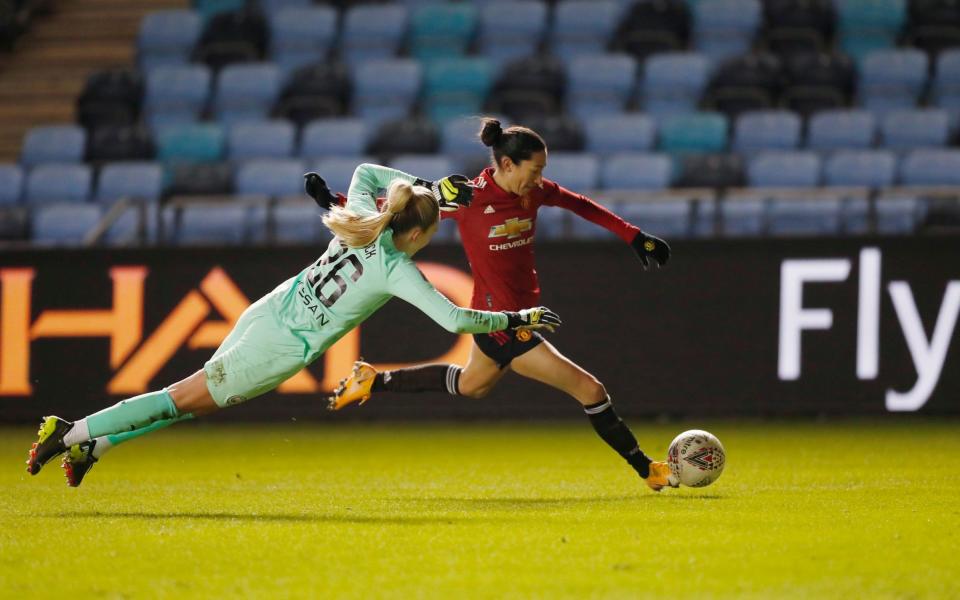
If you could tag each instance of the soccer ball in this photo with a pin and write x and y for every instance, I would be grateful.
(696, 458)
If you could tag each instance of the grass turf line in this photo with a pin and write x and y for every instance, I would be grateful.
(852, 509)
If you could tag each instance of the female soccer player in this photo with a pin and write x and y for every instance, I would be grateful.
(367, 263)
(497, 230)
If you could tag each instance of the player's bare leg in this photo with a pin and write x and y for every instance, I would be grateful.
(545, 364)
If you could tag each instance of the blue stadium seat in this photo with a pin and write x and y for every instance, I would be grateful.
(246, 92)
(625, 132)
(784, 169)
(53, 144)
(176, 94)
(210, 8)
(725, 28)
(372, 31)
(63, 224)
(667, 218)
(270, 177)
(600, 84)
(201, 142)
(945, 89)
(139, 180)
(582, 27)
(839, 129)
(636, 171)
(456, 87)
(804, 217)
(302, 35)
(334, 137)
(51, 182)
(459, 140)
(892, 79)
(212, 224)
(931, 168)
(425, 166)
(261, 139)
(552, 223)
(442, 30)
(694, 132)
(511, 30)
(272, 7)
(870, 168)
(582, 229)
(384, 90)
(898, 216)
(11, 184)
(673, 82)
(576, 171)
(909, 129)
(868, 25)
(759, 130)
(167, 37)
(743, 217)
(127, 229)
(338, 171)
(299, 223)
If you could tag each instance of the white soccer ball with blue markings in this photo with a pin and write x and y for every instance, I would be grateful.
(696, 458)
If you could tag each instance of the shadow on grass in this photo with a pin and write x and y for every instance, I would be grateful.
(537, 503)
(273, 518)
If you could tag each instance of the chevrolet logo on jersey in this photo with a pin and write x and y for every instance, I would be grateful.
(511, 228)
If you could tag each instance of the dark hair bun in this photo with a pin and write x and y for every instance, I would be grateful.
(491, 132)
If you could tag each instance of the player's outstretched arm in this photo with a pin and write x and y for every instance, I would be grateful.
(650, 247)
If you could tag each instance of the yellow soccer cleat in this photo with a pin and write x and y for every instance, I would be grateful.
(660, 476)
(355, 387)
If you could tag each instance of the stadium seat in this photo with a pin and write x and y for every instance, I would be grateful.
(337, 171)
(897, 215)
(372, 31)
(869, 168)
(120, 143)
(561, 133)
(931, 168)
(626, 132)
(456, 87)
(176, 94)
(725, 28)
(14, 221)
(667, 218)
(459, 139)
(111, 97)
(316, 91)
(299, 223)
(212, 224)
(650, 28)
(416, 135)
(201, 142)
(272, 7)
(868, 25)
(63, 224)
(636, 171)
(755, 131)
(582, 27)
(908, 129)
(511, 30)
(742, 217)
(892, 79)
(200, 179)
(232, 36)
(442, 30)
(11, 184)
(425, 166)
(260, 139)
(270, 177)
(166, 38)
(527, 87)
(841, 129)
(933, 26)
(673, 82)
(576, 171)
(245, 92)
(301, 35)
(817, 82)
(210, 8)
(748, 82)
(553, 223)
(695, 132)
(804, 217)
(386, 89)
(334, 137)
(600, 84)
(714, 170)
(52, 182)
(797, 27)
(579, 228)
(139, 180)
(784, 169)
(53, 144)
(945, 88)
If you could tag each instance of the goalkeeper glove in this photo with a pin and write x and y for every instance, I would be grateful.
(316, 188)
(540, 317)
(452, 191)
(650, 246)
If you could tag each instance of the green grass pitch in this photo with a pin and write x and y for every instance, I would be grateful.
(851, 509)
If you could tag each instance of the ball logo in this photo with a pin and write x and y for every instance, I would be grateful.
(649, 245)
(524, 335)
(705, 459)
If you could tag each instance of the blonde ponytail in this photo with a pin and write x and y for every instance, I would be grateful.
(406, 207)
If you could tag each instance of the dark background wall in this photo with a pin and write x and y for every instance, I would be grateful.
(699, 337)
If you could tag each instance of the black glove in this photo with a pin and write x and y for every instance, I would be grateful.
(452, 192)
(317, 189)
(650, 246)
(540, 317)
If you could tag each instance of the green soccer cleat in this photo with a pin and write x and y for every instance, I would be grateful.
(49, 443)
(77, 461)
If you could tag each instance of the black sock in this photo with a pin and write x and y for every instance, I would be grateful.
(617, 435)
(426, 378)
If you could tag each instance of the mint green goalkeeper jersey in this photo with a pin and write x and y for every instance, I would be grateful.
(295, 323)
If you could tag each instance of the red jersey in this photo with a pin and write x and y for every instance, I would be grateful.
(497, 230)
